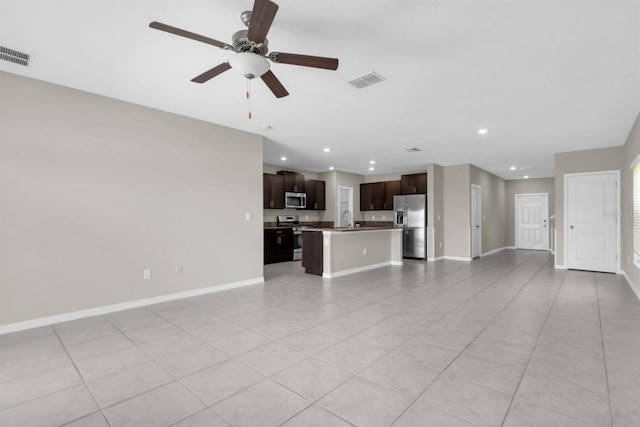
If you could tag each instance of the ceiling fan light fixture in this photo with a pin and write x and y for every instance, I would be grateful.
(249, 64)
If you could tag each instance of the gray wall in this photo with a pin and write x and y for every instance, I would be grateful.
(436, 218)
(494, 209)
(603, 159)
(457, 210)
(630, 150)
(94, 190)
(526, 186)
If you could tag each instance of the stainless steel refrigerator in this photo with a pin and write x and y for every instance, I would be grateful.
(410, 213)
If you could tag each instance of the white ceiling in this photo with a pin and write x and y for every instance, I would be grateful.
(543, 76)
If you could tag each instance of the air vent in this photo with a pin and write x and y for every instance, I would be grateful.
(413, 150)
(366, 80)
(14, 56)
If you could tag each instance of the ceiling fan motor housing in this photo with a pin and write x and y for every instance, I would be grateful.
(241, 43)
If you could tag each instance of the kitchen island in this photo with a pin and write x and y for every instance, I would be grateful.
(335, 252)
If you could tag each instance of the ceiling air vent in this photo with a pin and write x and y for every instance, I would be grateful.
(14, 56)
(413, 150)
(366, 80)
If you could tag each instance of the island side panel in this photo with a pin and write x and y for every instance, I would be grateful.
(350, 252)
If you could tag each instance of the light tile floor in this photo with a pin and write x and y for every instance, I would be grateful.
(503, 341)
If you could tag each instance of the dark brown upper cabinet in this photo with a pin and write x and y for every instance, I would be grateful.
(414, 184)
(272, 191)
(391, 188)
(293, 181)
(372, 196)
(315, 194)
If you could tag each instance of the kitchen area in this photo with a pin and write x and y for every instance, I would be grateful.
(307, 221)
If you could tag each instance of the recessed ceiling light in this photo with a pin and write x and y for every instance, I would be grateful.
(483, 131)
(326, 150)
(331, 168)
(370, 169)
(526, 177)
(512, 168)
(373, 162)
(283, 158)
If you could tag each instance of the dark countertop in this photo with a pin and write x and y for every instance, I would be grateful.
(341, 229)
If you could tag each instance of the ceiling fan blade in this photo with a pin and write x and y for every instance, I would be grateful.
(274, 84)
(264, 11)
(304, 60)
(187, 34)
(208, 75)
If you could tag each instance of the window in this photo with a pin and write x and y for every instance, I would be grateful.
(636, 209)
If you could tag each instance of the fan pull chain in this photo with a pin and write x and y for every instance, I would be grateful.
(249, 95)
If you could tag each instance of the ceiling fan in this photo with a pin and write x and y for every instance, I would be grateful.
(251, 49)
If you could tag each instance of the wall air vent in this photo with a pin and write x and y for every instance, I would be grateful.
(14, 56)
(413, 150)
(366, 80)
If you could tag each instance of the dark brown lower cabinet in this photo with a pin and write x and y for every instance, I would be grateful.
(312, 252)
(278, 245)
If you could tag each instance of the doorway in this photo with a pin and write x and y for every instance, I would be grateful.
(345, 206)
(591, 225)
(532, 221)
(476, 221)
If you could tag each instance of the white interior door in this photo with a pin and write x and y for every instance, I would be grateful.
(591, 227)
(532, 221)
(476, 221)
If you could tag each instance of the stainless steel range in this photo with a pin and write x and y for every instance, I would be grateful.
(293, 221)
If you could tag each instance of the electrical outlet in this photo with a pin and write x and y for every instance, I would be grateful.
(438, 217)
(384, 217)
(306, 217)
(440, 244)
(373, 217)
(247, 216)
(146, 274)
(364, 251)
(179, 270)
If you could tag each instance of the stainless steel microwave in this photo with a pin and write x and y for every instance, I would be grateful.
(295, 200)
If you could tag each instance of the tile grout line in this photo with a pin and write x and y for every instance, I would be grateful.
(531, 257)
(84, 381)
(176, 379)
(604, 353)
(524, 371)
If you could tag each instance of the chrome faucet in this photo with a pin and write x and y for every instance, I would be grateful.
(349, 217)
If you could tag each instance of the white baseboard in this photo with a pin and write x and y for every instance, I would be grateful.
(359, 269)
(435, 259)
(560, 267)
(632, 285)
(457, 258)
(106, 309)
(497, 250)
(397, 262)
